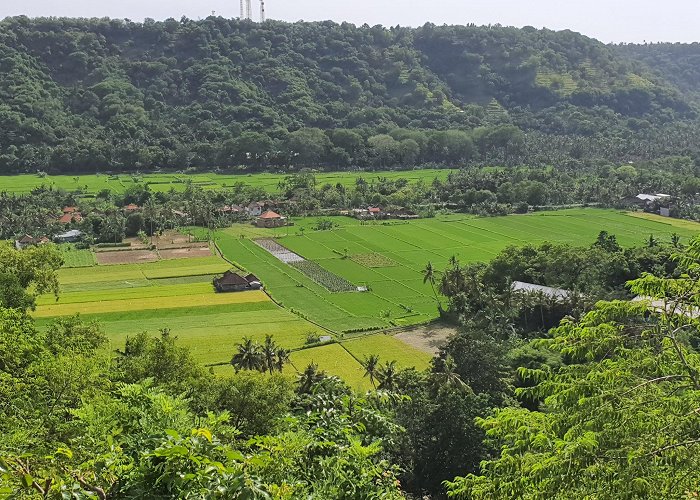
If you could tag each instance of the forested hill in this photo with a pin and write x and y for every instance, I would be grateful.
(679, 63)
(80, 95)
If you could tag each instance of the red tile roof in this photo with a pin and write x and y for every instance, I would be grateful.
(67, 218)
(69, 210)
(270, 215)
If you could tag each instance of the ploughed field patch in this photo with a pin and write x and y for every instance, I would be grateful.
(328, 280)
(125, 257)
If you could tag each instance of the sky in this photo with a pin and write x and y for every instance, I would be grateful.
(606, 20)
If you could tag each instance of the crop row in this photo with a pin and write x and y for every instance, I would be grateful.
(323, 277)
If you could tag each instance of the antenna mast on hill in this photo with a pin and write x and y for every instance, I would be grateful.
(249, 9)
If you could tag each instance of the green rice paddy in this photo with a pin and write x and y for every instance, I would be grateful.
(92, 184)
(385, 257)
(175, 294)
(388, 258)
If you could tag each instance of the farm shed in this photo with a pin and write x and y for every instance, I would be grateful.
(234, 282)
(68, 236)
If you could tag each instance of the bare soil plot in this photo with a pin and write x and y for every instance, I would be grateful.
(185, 253)
(126, 257)
(427, 338)
(175, 239)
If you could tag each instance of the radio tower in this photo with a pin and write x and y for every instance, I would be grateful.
(247, 10)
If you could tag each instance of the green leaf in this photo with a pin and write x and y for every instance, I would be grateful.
(27, 480)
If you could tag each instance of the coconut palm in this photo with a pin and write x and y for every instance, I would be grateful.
(269, 354)
(308, 378)
(248, 356)
(282, 358)
(387, 376)
(445, 374)
(429, 275)
(371, 364)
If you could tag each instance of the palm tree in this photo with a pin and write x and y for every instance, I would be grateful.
(371, 364)
(651, 243)
(248, 356)
(675, 240)
(429, 275)
(269, 353)
(387, 376)
(282, 358)
(309, 377)
(445, 374)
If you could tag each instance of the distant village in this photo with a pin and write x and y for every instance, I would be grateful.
(261, 214)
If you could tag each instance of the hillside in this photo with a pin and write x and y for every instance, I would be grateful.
(678, 63)
(80, 95)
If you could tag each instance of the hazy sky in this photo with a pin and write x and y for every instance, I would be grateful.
(607, 20)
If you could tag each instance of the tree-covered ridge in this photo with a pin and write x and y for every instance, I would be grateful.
(76, 93)
(678, 63)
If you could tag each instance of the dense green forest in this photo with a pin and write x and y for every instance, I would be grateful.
(101, 94)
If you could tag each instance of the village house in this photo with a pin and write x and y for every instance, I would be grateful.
(271, 219)
(70, 217)
(27, 241)
(131, 208)
(69, 236)
(234, 282)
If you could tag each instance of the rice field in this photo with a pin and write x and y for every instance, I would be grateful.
(161, 182)
(73, 257)
(174, 294)
(388, 258)
(334, 360)
(388, 348)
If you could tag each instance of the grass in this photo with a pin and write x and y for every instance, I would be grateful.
(210, 332)
(388, 348)
(128, 273)
(398, 295)
(679, 223)
(73, 257)
(92, 184)
(146, 303)
(334, 360)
